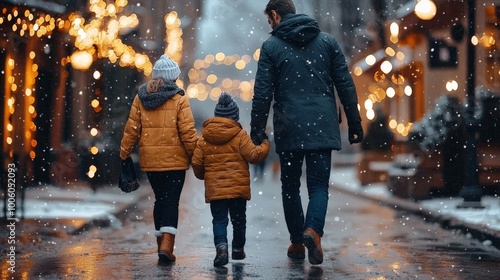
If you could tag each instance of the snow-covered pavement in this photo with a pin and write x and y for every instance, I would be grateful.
(487, 219)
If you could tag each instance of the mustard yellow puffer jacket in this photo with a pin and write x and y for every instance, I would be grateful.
(221, 159)
(163, 122)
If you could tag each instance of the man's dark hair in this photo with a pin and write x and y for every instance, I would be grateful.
(282, 7)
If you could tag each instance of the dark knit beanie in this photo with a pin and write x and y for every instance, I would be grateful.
(227, 107)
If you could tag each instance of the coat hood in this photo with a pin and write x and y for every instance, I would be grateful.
(220, 130)
(297, 29)
(153, 100)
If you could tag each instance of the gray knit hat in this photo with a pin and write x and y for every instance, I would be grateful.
(227, 107)
(166, 68)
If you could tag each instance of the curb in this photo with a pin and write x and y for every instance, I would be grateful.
(447, 222)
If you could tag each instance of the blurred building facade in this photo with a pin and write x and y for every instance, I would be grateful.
(418, 61)
(69, 71)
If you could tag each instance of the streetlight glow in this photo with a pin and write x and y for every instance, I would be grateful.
(81, 60)
(425, 9)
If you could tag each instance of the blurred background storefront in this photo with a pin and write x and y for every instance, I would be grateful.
(423, 75)
(69, 70)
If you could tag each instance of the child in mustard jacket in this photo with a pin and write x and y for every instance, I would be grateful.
(221, 158)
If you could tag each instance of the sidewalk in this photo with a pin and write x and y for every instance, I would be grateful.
(483, 224)
(67, 210)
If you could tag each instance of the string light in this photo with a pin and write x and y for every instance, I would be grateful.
(214, 84)
(103, 30)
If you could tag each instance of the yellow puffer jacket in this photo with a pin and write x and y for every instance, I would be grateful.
(221, 159)
(165, 129)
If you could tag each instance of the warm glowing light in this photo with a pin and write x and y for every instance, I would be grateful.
(358, 71)
(220, 56)
(246, 96)
(474, 40)
(101, 35)
(211, 79)
(370, 59)
(394, 29)
(400, 128)
(94, 131)
(390, 51)
(390, 92)
(425, 9)
(386, 67)
(408, 90)
(393, 123)
(227, 83)
(94, 150)
(451, 85)
(97, 75)
(400, 55)
(192, 91)
(370, 114)
(245, 86)
(256, 54)
(368, 104)
(81, 60)
(240, 64)
(95, 103)
(209, 58)
(215, 93)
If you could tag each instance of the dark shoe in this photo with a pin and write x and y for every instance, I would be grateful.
(312, 240)
(296, 251)
(222, 255)
(238, 254)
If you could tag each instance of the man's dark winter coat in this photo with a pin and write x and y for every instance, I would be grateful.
(299, 67)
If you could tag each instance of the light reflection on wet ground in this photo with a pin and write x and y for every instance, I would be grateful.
(362, 241)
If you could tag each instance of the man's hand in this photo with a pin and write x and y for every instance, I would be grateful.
(355, 133)
(258, 138)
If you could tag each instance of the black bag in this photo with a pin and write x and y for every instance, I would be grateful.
(128, 178)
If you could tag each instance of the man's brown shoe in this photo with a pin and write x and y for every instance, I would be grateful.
(296, 251)
(312, 240)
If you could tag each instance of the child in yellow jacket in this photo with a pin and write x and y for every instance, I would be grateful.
(221, 158)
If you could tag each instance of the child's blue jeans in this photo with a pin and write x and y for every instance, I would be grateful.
(236, 208)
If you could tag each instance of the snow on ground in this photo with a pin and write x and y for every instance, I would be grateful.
(52, 202)
(489, 217)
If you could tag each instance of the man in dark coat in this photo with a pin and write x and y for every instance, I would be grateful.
(299, 67)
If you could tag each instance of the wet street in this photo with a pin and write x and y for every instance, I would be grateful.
(363, 240)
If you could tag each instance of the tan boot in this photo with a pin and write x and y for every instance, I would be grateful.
(296, 251)
(312, 240)
(158, 241)
(166, 250)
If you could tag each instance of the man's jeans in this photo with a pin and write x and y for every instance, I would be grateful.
(318, 165)
(237, 210)
(167, 186)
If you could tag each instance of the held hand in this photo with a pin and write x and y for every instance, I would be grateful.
(355, 133)
(258, 138)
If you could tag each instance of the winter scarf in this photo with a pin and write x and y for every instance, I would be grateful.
(152, 100)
